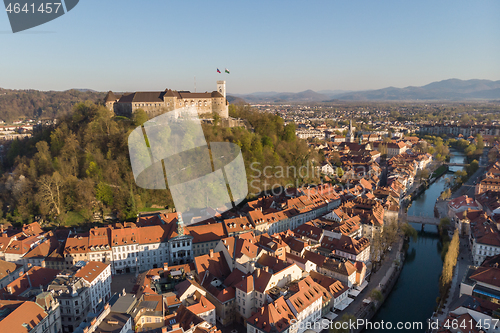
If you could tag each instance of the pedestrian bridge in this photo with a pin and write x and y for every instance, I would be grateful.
(421, 219)
(456, 164)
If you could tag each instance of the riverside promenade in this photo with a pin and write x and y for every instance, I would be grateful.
(383, 279)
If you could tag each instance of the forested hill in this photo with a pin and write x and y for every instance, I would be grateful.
(34, 104)
(81, 166)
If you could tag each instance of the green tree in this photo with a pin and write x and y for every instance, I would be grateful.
(449, 263)
(446, 194)
(479, 142)
(104, 193)
(140, 117)
(409, 231)
(343, 325)
(289, 133)
(43, 158)
(470, 150)
(472, 167)
(390, 233)
(444, 223)
(376, 247)
(377, 295)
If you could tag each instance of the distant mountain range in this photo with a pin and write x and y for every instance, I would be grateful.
(446, 90)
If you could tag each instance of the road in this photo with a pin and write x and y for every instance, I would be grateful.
(375, 278)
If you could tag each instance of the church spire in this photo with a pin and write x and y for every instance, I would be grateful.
(180, 224)
(350, 134)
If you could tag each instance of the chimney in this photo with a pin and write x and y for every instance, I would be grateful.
(164, 329)
(211, 253)
(266, 269)
(165, 266)
(175, 326)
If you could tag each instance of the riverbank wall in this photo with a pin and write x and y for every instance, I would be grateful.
(385, 286)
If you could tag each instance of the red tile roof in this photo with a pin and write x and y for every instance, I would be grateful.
(22, 313)
(91, 270)
(35, 277)
(207, 232)
(276, 317)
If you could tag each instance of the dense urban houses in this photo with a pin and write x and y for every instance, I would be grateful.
(484, 235)
(482, 281)
(347, 247)
(278, 263)
(457, 206)
(455, 130)
(39, 316)
(31, 283)
(109, 321)
(9, 271)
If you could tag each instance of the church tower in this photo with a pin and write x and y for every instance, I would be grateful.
(350, 134)
(180, 224)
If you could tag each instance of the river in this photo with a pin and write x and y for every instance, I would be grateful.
(413, 298)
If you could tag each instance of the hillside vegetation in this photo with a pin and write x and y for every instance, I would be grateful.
(68, 172)
(34, 104)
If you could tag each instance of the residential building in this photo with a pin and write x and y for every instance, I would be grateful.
(73, 293)
(98, 277)
(206, 237)
(41, 316)
(9, 272)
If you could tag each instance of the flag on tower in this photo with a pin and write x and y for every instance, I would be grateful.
(227, 71)
(218, 71)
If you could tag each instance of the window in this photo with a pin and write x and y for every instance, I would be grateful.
(157, 320)
(148, 319)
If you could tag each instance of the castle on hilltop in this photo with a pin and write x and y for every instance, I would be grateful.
(155, 103)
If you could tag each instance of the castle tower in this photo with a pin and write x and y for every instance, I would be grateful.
(221, 88)
(110, 100)
(221, 107)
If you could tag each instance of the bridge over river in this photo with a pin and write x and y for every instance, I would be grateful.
(456, 164)
(420, 219)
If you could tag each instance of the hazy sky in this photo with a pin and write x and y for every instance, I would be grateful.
(126, 45)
